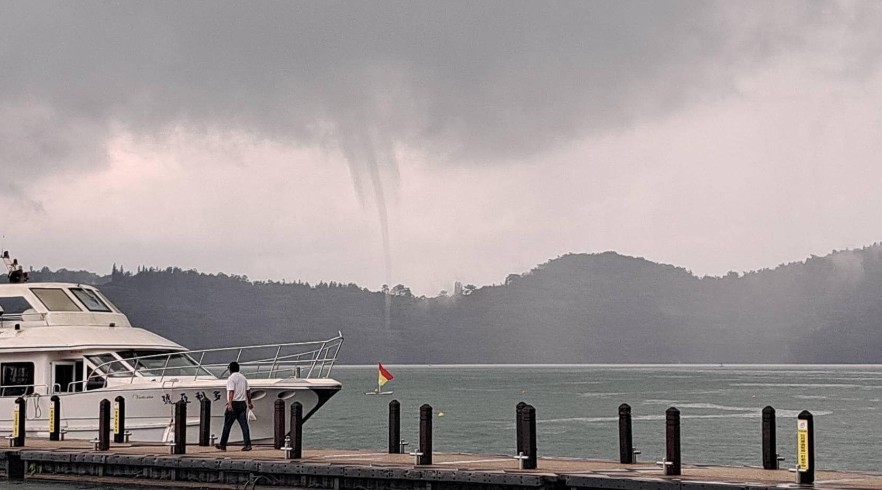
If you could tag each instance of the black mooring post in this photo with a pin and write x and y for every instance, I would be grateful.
(770, 451)
(519, 430)
(204, 421)
(119, 419)
(626, 440)
(521, 424)
(296, 431)
(528, 418)
(55, 418)
(672, 442)
(180, 427)
(104, 425)
(18, 426)
(278, 423)
(530, 438)
(805, 448)
(15, 467)
(394, 427)
(425, 453)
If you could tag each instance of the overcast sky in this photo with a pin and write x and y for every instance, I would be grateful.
(430, 142)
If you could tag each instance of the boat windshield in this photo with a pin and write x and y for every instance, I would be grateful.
(109, 365)
(90, 300)
(153, 363)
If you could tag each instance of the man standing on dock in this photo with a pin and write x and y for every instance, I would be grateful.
(238, 405)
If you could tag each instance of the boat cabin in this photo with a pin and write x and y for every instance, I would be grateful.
(61, 338)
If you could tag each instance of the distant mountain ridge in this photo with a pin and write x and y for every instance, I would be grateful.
(577, 308)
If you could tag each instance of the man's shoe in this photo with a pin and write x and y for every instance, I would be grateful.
(219, 447)
(246, 448)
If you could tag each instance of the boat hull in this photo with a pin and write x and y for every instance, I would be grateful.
(149, 410)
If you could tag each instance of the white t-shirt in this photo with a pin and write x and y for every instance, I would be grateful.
(239, 385)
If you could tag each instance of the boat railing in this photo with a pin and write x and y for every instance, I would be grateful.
(24, 390)
(307, 360)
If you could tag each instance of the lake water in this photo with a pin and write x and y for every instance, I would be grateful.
(577, 411)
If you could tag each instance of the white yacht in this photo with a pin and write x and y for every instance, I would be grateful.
(69, 340)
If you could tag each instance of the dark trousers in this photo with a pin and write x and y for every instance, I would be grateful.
(238, 413)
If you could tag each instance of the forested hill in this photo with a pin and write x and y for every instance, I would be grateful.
(579, 308)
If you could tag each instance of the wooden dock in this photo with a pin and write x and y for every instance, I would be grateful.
(205, 467)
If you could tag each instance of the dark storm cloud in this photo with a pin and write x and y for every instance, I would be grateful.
(475, 81)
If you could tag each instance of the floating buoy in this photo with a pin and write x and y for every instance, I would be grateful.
(440, 414)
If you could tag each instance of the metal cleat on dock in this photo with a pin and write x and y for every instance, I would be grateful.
(521, 457)
(287, 447)
(778, 459)
(416, 457)
(799, 473)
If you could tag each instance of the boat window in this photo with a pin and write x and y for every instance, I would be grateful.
(16, 378)
(55, 299)
(106, 301)
(109, 365)
(94, 381)
(89, 299)
(14, 305)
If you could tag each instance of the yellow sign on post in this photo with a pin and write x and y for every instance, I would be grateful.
(51, 417)
(15, 416)
(116, 417)
(802, 447)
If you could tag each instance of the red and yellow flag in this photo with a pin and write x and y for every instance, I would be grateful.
(385, 376)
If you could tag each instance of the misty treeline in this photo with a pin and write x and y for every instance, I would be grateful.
(578, 308)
